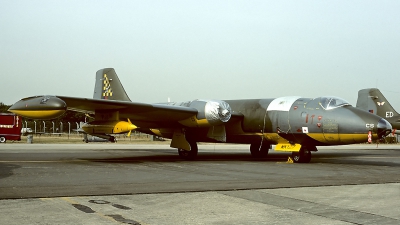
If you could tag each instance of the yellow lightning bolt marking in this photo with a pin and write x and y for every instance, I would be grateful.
(107, 91)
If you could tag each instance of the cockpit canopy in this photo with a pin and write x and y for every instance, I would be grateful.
(331, 102)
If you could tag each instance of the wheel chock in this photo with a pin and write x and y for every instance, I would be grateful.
(289, 160)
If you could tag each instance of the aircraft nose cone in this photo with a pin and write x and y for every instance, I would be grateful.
(224, 112)
(384, 128)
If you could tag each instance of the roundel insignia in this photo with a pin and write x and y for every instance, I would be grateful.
(305, 130)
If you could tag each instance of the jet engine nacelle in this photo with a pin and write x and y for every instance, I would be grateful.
(210, 113)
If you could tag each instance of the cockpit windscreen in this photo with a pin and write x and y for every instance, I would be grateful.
(330, 102)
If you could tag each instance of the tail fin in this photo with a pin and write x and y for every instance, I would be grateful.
(108, 86)
(372, 100)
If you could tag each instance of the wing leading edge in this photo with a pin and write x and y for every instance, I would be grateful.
(132, 110)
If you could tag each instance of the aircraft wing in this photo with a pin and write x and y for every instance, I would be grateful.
(141, 114)
(132, 110)
(111, 103)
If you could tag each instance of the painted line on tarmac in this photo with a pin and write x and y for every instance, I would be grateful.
(360, 157)
(42, 161)
(312, 208)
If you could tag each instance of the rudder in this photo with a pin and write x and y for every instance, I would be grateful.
(372, 100)
(108, 86)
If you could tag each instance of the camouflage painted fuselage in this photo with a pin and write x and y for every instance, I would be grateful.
(289, 120)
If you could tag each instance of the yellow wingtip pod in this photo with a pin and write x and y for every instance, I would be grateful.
(39, 114)
(39, 107)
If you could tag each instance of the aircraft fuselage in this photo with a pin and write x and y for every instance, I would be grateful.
(301, 120)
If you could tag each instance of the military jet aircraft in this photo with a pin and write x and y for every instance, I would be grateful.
(373, 101)
(294, 124)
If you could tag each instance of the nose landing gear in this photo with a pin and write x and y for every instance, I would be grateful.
(304, 155)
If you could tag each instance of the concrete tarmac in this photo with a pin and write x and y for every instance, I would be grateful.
(149, 184)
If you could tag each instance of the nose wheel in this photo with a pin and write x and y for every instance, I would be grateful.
(303, 156)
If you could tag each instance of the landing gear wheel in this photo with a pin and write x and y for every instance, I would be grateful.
(113, 139)
(303, 156)
(2, 140)
(189, 155)
(258, 152)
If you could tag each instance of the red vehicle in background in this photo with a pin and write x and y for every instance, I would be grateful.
(10, 127)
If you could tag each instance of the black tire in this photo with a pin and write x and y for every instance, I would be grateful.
(189, 155)
(258, 152)
(303, 156)
(3, 139)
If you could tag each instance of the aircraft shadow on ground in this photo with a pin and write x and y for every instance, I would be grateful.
(175, 158)
(358, 162)
(320, 157)
(361, 159)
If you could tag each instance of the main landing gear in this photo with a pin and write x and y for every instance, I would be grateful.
(189, 155)
(259, 150)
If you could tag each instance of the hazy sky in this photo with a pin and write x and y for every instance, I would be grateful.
(201, 49)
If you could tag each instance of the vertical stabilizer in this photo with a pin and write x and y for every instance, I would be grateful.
(372, 100)
(108, 86)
